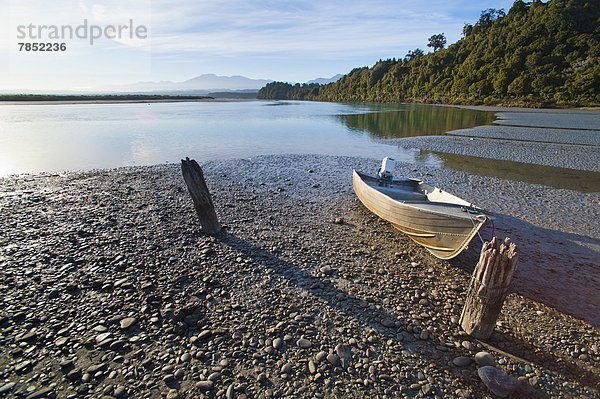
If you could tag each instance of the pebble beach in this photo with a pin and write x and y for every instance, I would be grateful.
(109, 288)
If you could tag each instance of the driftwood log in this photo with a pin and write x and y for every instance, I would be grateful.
(488, 288)
(194, 179)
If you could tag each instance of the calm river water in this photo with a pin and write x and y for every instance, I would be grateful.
(58, 137)
(52, 138)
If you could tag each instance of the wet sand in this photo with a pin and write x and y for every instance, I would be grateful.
(536, 134)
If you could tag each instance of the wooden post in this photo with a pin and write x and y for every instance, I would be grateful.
(194, 179)
(488, 288)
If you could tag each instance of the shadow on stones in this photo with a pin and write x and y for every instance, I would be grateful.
(516, 347)
(173, 384)
(545, 258)
(556, 268)
(365, 313)
(319, 287)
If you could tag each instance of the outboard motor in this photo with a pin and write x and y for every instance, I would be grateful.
(386, 171)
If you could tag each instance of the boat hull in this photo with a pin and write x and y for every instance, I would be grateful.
(442, 234)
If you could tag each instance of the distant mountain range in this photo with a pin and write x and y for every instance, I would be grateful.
(207, 82)
(324, 81)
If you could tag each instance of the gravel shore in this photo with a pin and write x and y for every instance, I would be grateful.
(549, 154)
(564, 119)
(109, 289)
(547, 135)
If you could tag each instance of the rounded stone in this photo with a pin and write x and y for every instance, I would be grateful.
(484, 359)
(333, 359)
(127, 322)
(497, 381)
(319, 357)
(343, 351)
(120, 392)
(173, 394)
(462, 361)
(277, 343)
(304, 343)
(179, 374)
(286, 369)
(205, 385)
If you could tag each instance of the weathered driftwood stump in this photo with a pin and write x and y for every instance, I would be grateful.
(488, 288)
(194, 179)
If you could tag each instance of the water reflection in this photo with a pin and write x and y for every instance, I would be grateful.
(51, 138)
(410, 120)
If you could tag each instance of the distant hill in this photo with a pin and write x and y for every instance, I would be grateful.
(324, 81)
(206, 83)
(538, 54)
(239, 86)
(237, 82)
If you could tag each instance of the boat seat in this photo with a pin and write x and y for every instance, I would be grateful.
(402, 195)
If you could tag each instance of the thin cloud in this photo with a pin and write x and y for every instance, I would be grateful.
(267, 38)
(302, 27)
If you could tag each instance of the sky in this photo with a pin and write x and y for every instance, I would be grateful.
(286, 40)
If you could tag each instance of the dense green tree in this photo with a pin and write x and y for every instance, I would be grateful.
(490, 15)
(467, 30)
(538, 54)
(413, 54)
(437, 42)
(286, 91)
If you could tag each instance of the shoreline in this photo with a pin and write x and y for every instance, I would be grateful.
(516, 108)
(569, 156)
(84, 253)
(73, 102)
(490, 108)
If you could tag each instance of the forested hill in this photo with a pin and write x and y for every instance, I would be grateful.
(537, 54)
